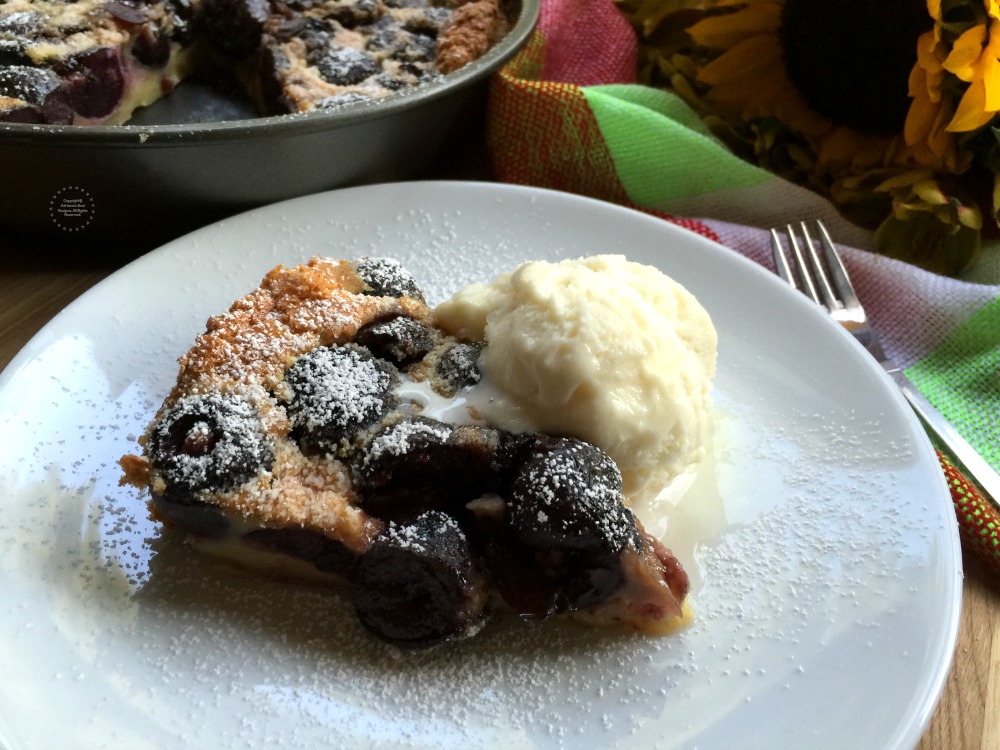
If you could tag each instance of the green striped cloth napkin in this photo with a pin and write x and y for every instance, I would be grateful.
(567, 114)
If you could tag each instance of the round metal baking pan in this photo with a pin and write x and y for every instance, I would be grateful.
(199, 155)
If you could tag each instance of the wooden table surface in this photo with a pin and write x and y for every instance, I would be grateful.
(38, 277)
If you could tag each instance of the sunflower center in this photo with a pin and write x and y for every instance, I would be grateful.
(851, 59)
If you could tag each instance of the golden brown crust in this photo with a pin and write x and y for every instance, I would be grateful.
(247, 350)
(137, 471)
(293, 311)
(304, 492)
(470, 32)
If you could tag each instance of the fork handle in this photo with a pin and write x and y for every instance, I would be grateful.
(975, 467)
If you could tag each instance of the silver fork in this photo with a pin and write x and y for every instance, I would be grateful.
(825, 281)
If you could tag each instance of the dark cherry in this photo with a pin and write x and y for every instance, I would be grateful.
(390, 83)
(384, 39)
(515, 576)
(24, 113)
(40, 89)
(183, 16)
(151, 46)
(235, 26)
(423, 75)
(419, 462)
(418, 48)
(567, 493)
(418, 584)
(17, 30)
(565, 528)
(328, 555)
(12, 52)
(317, 34)
(22, 24)
(386, 277)
(182, 509)
(283, 29)
(357, 14)
(95, 82)
(34, 85)
(211, 442)
(345, 66)
(337, 392)
(457, 367)
(428, 20)
(68, 29)
(124, 13)
(400, 340)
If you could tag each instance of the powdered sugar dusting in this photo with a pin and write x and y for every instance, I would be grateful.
(212, 441)
(388, 277)
(293, 311)
(340, 388)
(322, 315)
(413, 537)
(575, 489)
(399, 439)
(818, 567)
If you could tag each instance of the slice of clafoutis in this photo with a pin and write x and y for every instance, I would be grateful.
(317, 430)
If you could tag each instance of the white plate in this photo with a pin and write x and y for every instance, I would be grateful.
(820, 535)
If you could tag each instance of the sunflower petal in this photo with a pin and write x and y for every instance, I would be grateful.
(965, 53)
(792, 109)
(971, 113)
(722, 32)
(940, 143)
(903, 179)
(842, 146)
(993, 46)
(919, 119)
(969, 216)
(757, 53)
(930, 192)
(752, 92)
(991, 80)
(927, 53)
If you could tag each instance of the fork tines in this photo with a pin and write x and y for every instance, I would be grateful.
(825, 279)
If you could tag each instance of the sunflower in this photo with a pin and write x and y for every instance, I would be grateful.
(974, 59)
(882, 105)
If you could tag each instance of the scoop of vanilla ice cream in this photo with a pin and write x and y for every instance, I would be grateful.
(600, 348)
